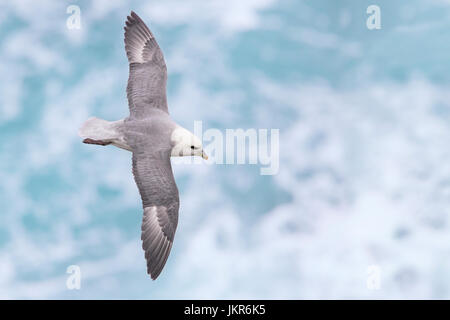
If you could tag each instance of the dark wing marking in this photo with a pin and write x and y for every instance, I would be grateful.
(159, 193)
(146, 88)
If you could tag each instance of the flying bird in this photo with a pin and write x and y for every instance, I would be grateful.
(153, 137)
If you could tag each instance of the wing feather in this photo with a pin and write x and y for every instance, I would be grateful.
(146, 89)
(159, 193)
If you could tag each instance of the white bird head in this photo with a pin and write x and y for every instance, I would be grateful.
(185, 143)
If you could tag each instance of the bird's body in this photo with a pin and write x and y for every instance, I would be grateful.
(153, 137)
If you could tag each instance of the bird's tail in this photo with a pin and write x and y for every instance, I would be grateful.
(96, 129)
(102, 132)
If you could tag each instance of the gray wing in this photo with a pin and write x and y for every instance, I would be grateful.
(159, 193)
(146, 88)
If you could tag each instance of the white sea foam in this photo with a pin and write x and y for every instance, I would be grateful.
(364, 172)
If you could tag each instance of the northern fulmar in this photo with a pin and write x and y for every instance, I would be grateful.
(153, 137)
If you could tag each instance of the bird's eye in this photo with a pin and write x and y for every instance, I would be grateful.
(192, 147)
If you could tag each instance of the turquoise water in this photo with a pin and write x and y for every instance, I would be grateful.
(364, 174)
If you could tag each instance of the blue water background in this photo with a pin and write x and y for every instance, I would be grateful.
(364, 176)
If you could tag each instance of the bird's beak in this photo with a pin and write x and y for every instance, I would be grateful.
(204, 156)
